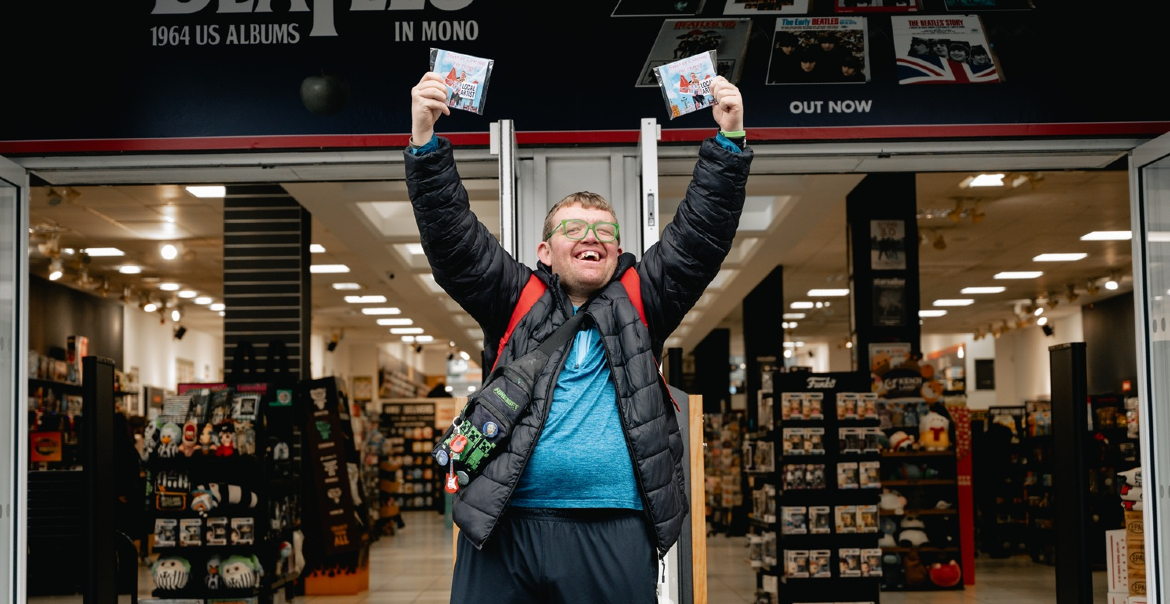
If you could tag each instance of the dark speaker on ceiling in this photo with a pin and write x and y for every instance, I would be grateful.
(1048, 331)
(180, 331)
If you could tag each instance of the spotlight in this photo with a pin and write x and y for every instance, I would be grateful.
(939, 243)
(1053, 301)
(1071, 295)
(180, 331)
(849, 344)
(1091, 288)
(956, 214)
(418, 348)
(977, 214)
(332, 345)
(55, 269)
(176, 314)
(169, 251)
(1112, 284)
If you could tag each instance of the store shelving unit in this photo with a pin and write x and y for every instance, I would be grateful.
(408, 427)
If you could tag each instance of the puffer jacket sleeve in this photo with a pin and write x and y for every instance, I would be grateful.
(466, 260)
(677, 269)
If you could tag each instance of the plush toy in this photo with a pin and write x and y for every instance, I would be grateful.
(933, 432)
(208, 497)
(207, 440)
(912, 532)
(946, 575)
(241, 572)
(212, 579)
(171, 572)
(916, 574)
(188, 444)
(893, 576)
(889, 527)
(227, 435)
(892, 501)
(150, 437)
(900, 441)
(168, 440)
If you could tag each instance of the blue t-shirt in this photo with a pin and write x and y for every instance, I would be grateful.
(581, 459)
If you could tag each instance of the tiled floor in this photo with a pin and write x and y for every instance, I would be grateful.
(414, 567)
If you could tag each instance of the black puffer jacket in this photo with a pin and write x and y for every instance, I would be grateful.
(473, 268)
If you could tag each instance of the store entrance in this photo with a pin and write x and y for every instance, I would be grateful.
(13, 300)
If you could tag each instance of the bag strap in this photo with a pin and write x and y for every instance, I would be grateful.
(535, 288)
(528, 296)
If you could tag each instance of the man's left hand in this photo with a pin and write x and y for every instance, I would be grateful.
(728, 107)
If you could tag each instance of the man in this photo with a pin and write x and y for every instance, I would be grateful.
(588, 493)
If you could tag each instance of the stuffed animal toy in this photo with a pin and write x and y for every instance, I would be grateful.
(933, 432)
(916, 574)
(241, 572)
(171, 572)
(900, 441)
(189, 444)
(912, 532)
(889, 528)
(893, 575)
(168, 440)
(208, 497)
(212, 580)
(227, 436)
(946, 575)
(207, 440)
(892, 501)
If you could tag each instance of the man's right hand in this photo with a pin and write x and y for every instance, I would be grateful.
(427, 100)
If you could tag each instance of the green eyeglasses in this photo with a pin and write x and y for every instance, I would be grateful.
(576, 230)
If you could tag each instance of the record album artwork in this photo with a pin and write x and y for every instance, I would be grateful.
(822, 50)
(946, 49)
(657, 8)
(877, 6)
(762, 7)
(682, 38)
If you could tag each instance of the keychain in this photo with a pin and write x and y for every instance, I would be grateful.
(458, 442)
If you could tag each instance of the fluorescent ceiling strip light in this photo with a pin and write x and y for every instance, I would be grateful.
(187, 293)
(427, 340)
(388, 310)
(316, 248)
(987, 180)
(931, 313)
(953, 302)
(793, 315)
(827, 293)
(402, 331)
(1018, 274)
(102, 252)
(393, 322)
(1108, 236)
(1059, 257)
(982, 290)
(328, 268)
(801, 305)
(375, 299)
(342, 286)
(415, 248)
(208, 191)
(169, 287)
(130, 269)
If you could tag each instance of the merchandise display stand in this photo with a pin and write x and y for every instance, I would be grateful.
(408, 427)
(1038, 481)
(224, 492)
(816, 480)
(722, 463)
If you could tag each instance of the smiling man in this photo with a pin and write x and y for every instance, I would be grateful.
(589, 492)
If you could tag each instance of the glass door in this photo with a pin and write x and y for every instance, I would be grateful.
(13, 386)
(1150, 211)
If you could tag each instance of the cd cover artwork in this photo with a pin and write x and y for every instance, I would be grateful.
(466, 78)
(686, 84)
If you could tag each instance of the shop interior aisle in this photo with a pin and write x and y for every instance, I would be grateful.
(414, 567)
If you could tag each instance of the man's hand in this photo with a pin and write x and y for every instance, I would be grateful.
(427, 100)
(728, 107)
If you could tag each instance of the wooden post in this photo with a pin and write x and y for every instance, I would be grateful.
(698, 503)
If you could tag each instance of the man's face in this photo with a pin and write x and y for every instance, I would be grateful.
(584, 266)
(920, 49)
(847, 71)
(980, 59)
(788, 49)
(958, 54)
(828, 45)
(808, 66)
(940, 50)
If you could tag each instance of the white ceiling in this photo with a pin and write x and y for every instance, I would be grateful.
(795, 217)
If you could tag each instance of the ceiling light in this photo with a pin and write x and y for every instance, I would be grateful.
(962, 352)
(424, 339)
(793, 315)
(953, 302)
(801, 305)
(1070, 293)
(150, 307)
(1091, 288)
(400, 331)
(849, 344)
(826, 293)
(977, 214)
(130, 269)
(956, 214)
(222, 313)
(201, 300)
(1042, 321)
(987, 180)
(408, 339)
(217, 307)
(100, 252)
(1053, 301)
(344, 286)
(1111, 284)
(414, 248)
(1059, 257)
(463, 355)
(982, 290)
(819, 305)
(1039, 311)
(931, 313)
(316, 248)
(187, 293)
(788, 353)
(1018, 274)
(365, 299)
(176, 314)
(207, 191)
(1108, 236)
(169, 251)
(328, 268)
(55, 269)
(169, 287)
(939, 243)
(388, 310)
(390, 322)
(793, 344)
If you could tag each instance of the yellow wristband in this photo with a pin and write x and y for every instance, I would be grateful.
(736, 134)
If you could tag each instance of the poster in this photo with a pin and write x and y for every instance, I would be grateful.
(887, 240)
(980, 5)
(657, 8)
(682, 38)
(884, 356)
(761, 7)
(877, 6)
(951, 49)
(822, 50)
(363, 389)
(889, 302)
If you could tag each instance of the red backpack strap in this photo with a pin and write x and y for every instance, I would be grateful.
(633, 284)
(528, 296)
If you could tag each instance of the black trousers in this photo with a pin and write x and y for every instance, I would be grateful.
(559, 555)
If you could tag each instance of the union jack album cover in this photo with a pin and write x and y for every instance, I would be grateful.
(948, 49)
